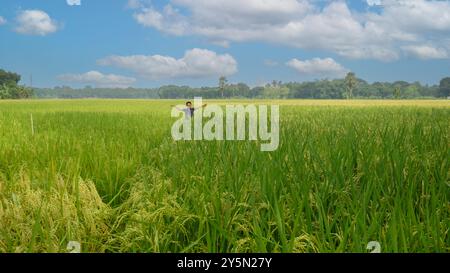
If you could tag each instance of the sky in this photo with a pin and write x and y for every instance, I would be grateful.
(149, 43)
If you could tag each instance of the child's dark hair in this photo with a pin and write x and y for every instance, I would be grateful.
(188, 102)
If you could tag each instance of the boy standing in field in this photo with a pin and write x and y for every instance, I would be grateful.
(189, 110)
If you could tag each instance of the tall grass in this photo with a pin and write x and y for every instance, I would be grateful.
(108, 174)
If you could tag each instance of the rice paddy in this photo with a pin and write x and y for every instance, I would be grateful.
(107, 174)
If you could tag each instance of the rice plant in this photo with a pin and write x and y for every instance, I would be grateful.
(106, 173)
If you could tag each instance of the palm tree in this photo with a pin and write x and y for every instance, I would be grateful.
(350, 81)
(397, 92)
(222, 83)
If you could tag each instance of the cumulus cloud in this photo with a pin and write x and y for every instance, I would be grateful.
(74, 2)
(426, 52)
(305, 24)
(99, 80)
(196, 63)
(35, 22)
(318, 67)
(170, 21)
(2, 21)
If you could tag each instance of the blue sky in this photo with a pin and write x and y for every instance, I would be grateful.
(145, 43)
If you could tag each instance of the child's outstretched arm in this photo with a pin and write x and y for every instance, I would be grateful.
(203, 106)
(179, 109)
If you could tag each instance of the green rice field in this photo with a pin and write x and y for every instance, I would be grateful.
(108, 174)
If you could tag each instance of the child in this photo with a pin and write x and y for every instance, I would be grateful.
(189, 111)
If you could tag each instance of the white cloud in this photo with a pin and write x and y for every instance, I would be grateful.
(305, 24)
(35, 22)
(99, 80)
(196, 63)
(134, 4)
(2, 21)
(170, 22)
(222, 43)
(373, 2)
(318, 67)
(74, 2)
(413, 16)
(426, 52)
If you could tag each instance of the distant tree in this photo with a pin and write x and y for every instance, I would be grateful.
(350, 82)
(9, 88)
(412, 91)
(397, 92)
(283, 92)
(222, 83)
(11, 91)
(5, 91)
(402, 84)
(9, 78)
(243, 90)
(444, 88)
(319, 89)
(231, 90)
(275, 92)
(24, 92)
(256, 92)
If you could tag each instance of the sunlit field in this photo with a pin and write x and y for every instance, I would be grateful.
(106, 173)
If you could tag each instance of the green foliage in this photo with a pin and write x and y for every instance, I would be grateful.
(322, 89)
(444, 87)
(275, 92)
(9, 88)
(8, 78)
(412, 91)
(350, 83)
(222, 84)
(350, 87)
(397, 92)
(12, 91)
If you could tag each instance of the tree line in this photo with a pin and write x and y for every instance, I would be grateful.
(350, 87)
